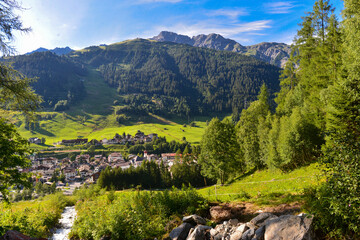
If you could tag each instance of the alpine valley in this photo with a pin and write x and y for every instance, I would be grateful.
(169, 76)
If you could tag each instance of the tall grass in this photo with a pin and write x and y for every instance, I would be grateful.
(33, 218)
(132, 215)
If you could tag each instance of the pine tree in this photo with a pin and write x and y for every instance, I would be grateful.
(247, 129)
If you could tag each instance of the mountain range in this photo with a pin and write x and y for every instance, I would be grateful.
(271, 52)
(153, 76)
(58, 51)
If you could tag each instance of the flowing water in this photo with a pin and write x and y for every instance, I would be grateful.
(66, 222)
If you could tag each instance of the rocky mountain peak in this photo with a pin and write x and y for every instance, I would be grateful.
(271, 52)
(166, 36)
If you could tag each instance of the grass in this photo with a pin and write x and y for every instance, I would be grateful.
(66, 126)
(267, 187)
(34, 218)
(93, 118)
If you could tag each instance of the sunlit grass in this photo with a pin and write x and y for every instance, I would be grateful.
(267, 186)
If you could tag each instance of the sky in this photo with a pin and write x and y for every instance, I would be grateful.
(82, 23)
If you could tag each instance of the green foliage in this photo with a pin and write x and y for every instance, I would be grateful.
(13, 157)
(268, 186)
(9, 22)
(298, 141)
(61, 105)
(15, 90)
(336, 204)
(248, 127)
(58, 78)
(219, 156)
(179, 79)
(35, 218)
(140, 215)
(151, 175)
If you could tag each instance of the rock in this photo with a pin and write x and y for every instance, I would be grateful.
(233, 222)
(218, 232)
(289, 227)
(15, 235)
(194, 220)
(261, 219)
(225, 212)
(236, 235)
(219, 213)
(248, 234)
(251, 225)
(199, 233)
(259, 233)
(181, 232)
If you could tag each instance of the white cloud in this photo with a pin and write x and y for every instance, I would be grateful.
(230, 13)
(279, 7)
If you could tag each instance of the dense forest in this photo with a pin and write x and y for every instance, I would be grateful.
(159, 77)
(58, 80)
(178, 78)
(316, 119)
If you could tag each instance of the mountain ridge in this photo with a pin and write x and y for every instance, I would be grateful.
(58, 50)
(270, 52)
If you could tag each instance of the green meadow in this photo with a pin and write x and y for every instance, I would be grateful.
(93, 118)
(267, 187)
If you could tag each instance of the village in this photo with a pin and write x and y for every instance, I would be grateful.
(123, 139)
(86, 169)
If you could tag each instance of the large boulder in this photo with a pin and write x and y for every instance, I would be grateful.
(261, 219)
(289, 227)
(181, 232)
(194, 220)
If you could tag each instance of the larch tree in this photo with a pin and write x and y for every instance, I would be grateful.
(16, 94)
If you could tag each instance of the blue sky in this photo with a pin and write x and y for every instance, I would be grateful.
(82, 23)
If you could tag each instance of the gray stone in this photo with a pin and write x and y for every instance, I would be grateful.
(194, 220)
(251, 225)
(248, 234)
(199, 233)
(236, 235)
(233, 222)
(259, 233)
(289, 227)
(260, 219)
(181, 232)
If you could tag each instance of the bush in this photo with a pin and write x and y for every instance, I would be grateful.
(336, 203)
(134, 215)
(61, 105)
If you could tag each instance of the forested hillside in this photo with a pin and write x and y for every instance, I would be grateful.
(316, 119)
(58, 78)
(159, 77)
(179, 78)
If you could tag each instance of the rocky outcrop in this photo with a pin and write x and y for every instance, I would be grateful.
(265, 226)
(271, 52)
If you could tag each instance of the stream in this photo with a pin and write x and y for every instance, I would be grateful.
(66, 223)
